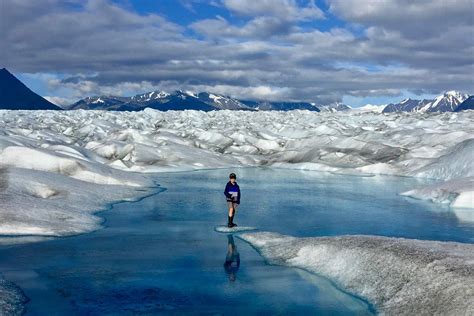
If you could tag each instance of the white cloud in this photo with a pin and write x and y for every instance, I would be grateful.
(261, 52)
(85, 87)
(267, 93)
(283, 9)
(258, 28)
(59, 100)
(412, 18)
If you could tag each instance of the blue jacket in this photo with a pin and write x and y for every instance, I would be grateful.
(232, 192)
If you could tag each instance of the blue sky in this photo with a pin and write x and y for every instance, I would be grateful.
(354, 51)
(186, 12)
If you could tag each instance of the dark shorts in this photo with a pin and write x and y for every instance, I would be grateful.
(233, 205)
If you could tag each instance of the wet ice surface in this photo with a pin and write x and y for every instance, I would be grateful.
(400, 276)
(161, 254)
(225, 229)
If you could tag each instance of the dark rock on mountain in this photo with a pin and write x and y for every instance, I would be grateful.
(407, 105)
(14, 95)
(468, 104)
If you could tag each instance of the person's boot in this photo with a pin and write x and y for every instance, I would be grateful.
(229, 222)
(232, 221)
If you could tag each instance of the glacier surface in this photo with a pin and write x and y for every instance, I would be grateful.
(50, 161)
(58, 168)
(237, 229)
(400, 276)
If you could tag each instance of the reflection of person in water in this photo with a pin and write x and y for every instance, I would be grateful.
(232, 259)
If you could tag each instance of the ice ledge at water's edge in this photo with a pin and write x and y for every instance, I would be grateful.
(400, 276)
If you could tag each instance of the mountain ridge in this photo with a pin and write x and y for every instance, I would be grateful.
(447, 102)
(179, 99)
(15, 95)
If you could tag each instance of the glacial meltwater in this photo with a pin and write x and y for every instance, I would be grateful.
(161, 255)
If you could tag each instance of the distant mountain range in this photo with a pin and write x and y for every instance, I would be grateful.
(181, 100)
(447, 102)
(160, 100)
(14, 95)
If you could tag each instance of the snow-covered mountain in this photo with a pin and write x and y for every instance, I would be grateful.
(222, 102)
(99, 103)
(280, 106)
(14, 95)
(185, 100)
(446, 102)
(159, 100)
(407, 105)
(333, 107)
(370, 108)
(154, 95)
(206, 101)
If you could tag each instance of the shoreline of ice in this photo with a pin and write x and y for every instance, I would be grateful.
(39, 203)
(399, 276)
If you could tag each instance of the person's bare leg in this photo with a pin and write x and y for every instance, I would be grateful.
(234, 210)
(231, 211)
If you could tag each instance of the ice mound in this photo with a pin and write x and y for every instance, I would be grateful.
(400, 276)
(39, 159)
(51, 204)
(456, 163)
(459, 193)
(237, 229)
(12, 299)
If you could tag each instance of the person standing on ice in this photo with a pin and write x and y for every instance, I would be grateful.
(232, 194)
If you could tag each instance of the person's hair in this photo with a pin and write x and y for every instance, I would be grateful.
(232, 176)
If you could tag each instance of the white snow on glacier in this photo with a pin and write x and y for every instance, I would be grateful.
(400, 276)
(50, 204)
(50, 160)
